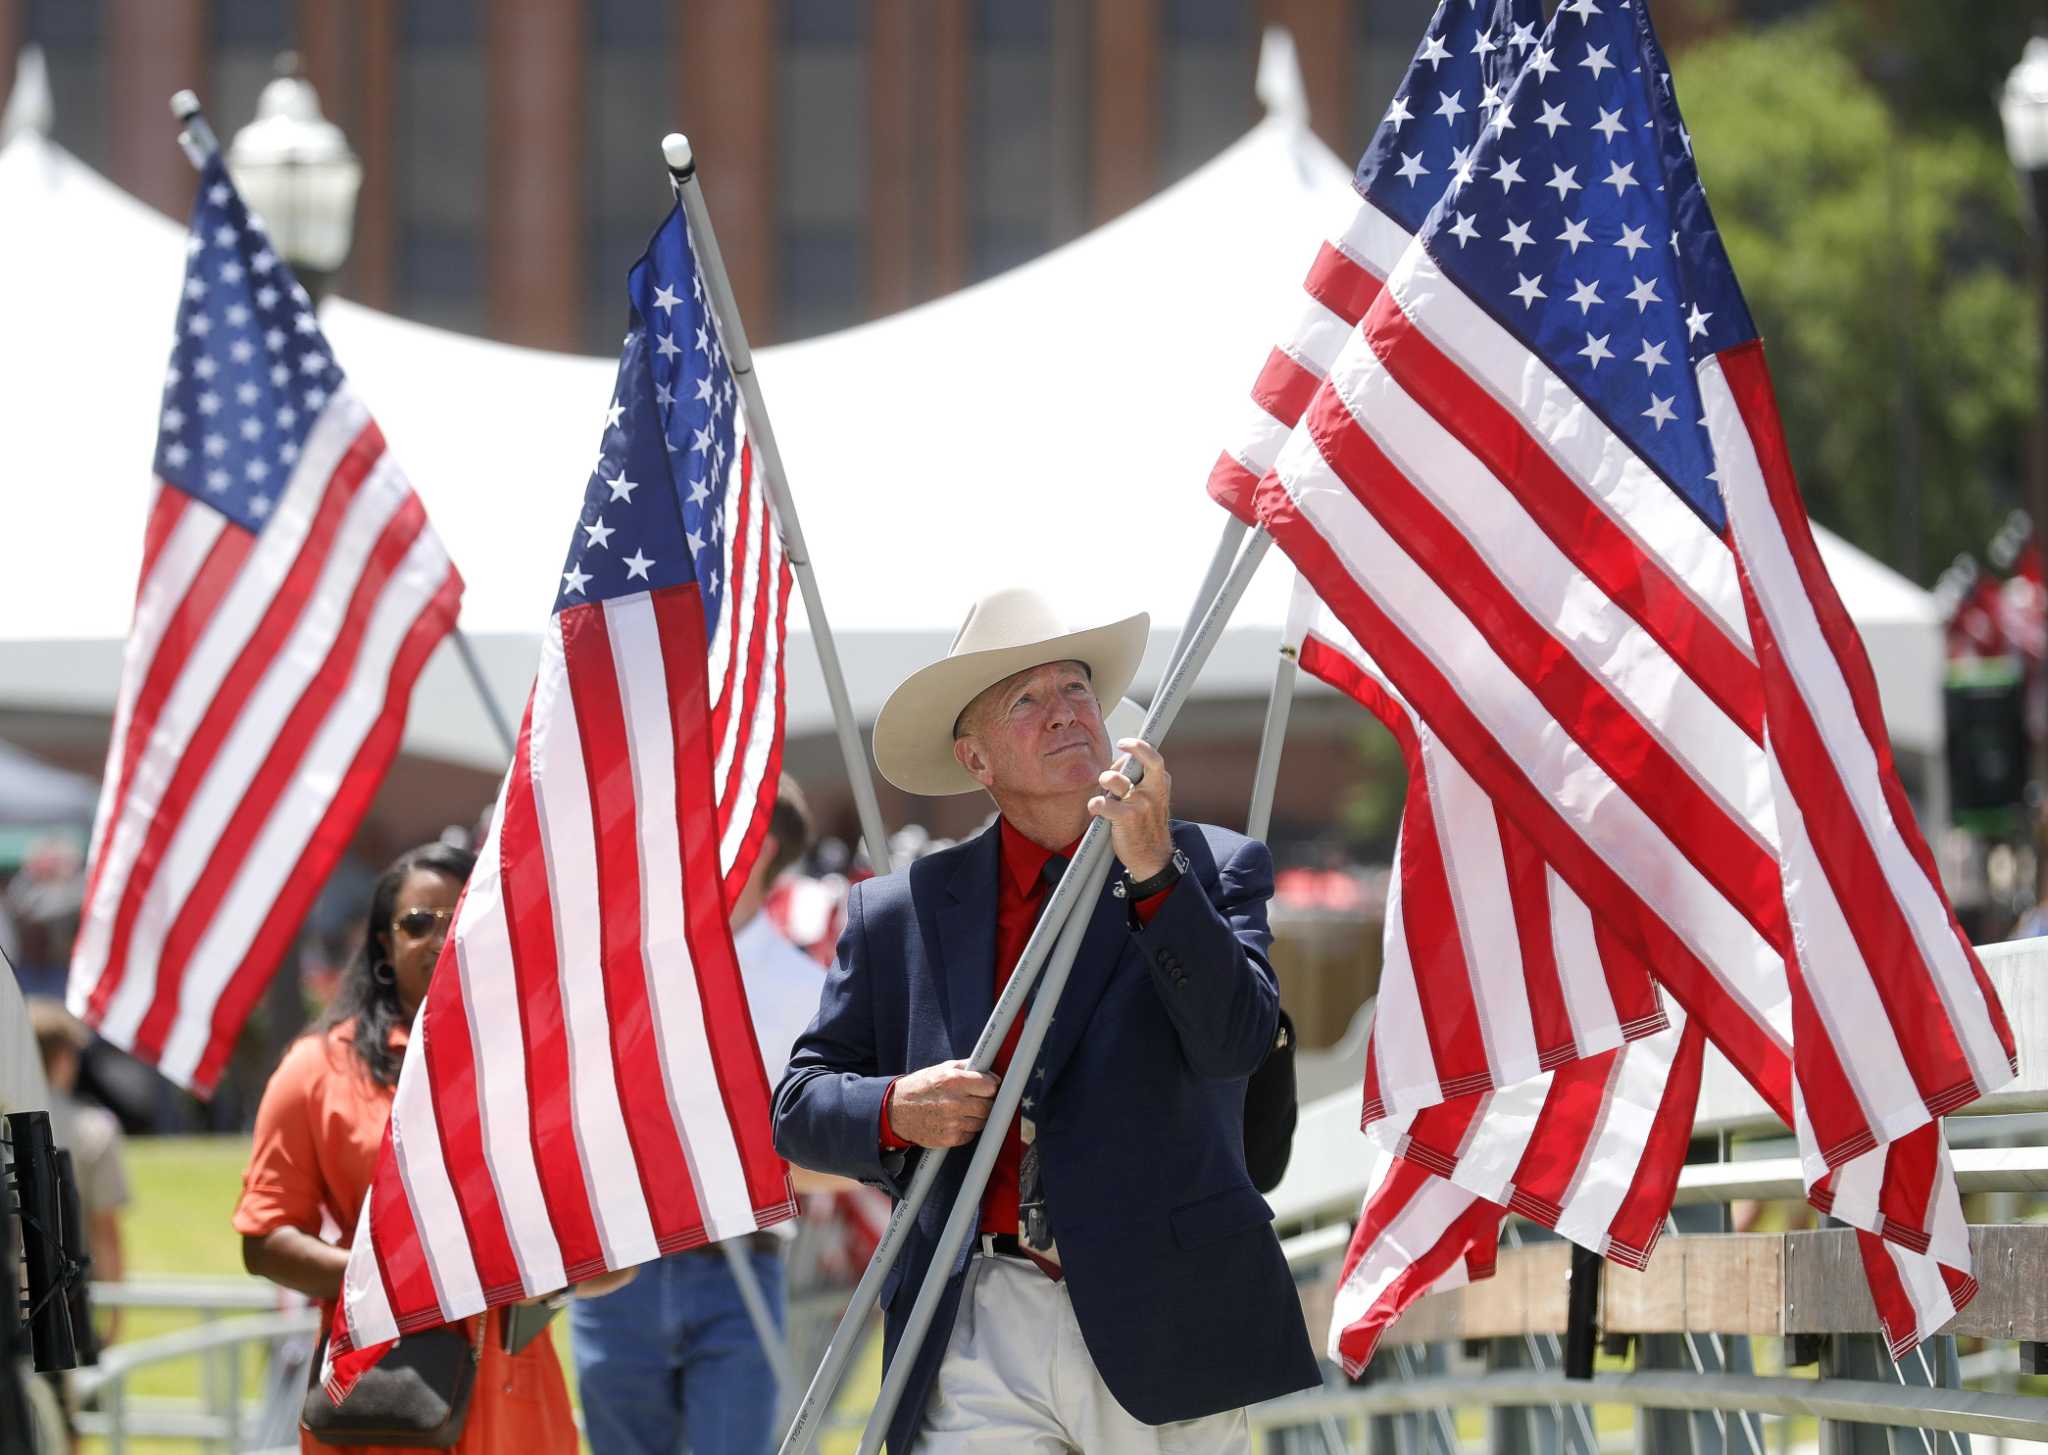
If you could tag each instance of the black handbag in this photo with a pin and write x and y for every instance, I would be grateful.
(1270, 1111)
(416, 1396)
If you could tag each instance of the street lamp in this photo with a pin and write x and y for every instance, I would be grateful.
(296, 171)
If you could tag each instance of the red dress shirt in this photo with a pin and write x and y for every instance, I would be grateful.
(1021, 892)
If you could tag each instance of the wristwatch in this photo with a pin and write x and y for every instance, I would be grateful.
(1165, 879)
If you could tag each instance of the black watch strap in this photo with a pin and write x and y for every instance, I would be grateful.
(1166, 878)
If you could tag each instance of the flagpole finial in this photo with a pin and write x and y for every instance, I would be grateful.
(194, 135)
(675, 150)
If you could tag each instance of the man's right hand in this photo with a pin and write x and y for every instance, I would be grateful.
(941, 1106)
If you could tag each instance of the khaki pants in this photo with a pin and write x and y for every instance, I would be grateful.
(1017, 1378)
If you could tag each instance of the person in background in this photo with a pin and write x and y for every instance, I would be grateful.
(93, 1137)
(672, 1361)
(322, 1122)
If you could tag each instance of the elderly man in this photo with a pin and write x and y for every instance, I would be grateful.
(1126, 1291)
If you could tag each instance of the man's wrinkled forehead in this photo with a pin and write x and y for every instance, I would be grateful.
(989, 696)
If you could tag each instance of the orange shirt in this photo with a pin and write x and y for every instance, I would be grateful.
(318, 1132)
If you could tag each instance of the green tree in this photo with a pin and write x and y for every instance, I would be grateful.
(1883, 255)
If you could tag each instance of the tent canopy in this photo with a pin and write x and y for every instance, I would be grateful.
(1053, 425)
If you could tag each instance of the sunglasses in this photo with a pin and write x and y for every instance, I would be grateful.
(417, 924)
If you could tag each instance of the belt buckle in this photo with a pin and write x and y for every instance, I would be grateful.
(986, 1243)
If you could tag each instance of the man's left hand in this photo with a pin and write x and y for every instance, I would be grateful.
(1137, 813)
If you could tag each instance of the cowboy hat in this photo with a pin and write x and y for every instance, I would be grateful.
(1006, 632)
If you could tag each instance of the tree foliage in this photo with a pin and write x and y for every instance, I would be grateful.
(1883, 252)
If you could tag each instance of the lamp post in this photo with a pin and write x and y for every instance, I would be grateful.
(296, 171)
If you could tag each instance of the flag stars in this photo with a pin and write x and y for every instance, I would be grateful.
(224, 236)
(598, 534)
(1620, 177)
(665, 298)
(1483, 44)
(1463, 230)
(252, 429)
(1542, 64)
(622, 488)
(1528, 292)
(257, 471)
(232, 272)
(259, 506)
(1564, 180)
(241, 351)
(263, 262)
(218, 481)
(1434, 51)
(1609, 125)
(1631, 241)
(209, 403)
(702, 344)
(266, 297)
(1552, 118)
(665, 346)
(175, 455)
(1659, 413)
(215, 446)
(1696, 322)
(612, 413)
(1586, 294)
(1517, 237)
(1509, 173)
(194, 289)
(1398, 114)
(636, 567)
(204, 366)
(1448, 106)
(305, 323)
(218, 194)
(1411, 169)
(1574, 233)
(1644, 293)
(574, 580)
(246, 393)
(664, 396)
(1595, 60)
(1596, 349)
(280, 375)
(1651, 357)
(199, 325)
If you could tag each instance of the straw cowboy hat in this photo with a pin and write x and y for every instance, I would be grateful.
(1005, 633)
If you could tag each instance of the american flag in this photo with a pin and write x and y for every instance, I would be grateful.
(291, 589)
(582, 1090)
(1591, 1149)
(1544, 484)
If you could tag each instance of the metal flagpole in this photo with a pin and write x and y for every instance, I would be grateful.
(200, 145)
(1092, 871)
(682, 168)
(1066, 895)
(1271, 739)
(483, 691)
(1212, 579)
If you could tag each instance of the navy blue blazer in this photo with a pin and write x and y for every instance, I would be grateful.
(1178, 1282)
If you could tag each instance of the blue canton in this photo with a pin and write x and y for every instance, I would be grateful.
(1579, 223)
(654, 511)
(1464, 68)
(250, 370)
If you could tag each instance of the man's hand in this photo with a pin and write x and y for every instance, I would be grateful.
(942, 1105)
(1138, 814)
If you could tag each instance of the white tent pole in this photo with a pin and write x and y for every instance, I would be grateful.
(201, 146)
(682, 169)
(966, 1209)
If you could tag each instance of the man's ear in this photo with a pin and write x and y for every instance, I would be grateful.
(968, 755)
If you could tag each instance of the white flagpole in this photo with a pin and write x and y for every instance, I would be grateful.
(200, 145)
(682, 169)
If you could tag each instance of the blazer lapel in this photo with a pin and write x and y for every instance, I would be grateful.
(1102, 948)
(967, 942)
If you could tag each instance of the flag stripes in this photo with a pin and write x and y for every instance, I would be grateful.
(263, 692)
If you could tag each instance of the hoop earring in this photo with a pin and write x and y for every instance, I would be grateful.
(384, 973)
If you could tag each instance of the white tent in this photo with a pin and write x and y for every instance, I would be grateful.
(1052, 425)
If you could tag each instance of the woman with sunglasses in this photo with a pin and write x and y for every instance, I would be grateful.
(322, 1122)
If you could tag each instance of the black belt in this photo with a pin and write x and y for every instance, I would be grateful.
(1001, 1245)
(760, 1242)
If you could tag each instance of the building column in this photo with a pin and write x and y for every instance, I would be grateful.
(534, 60)
(952, 71)
(155, 48)
(728, 63)
(373, 263)
(894, 126)
(1126, 105)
